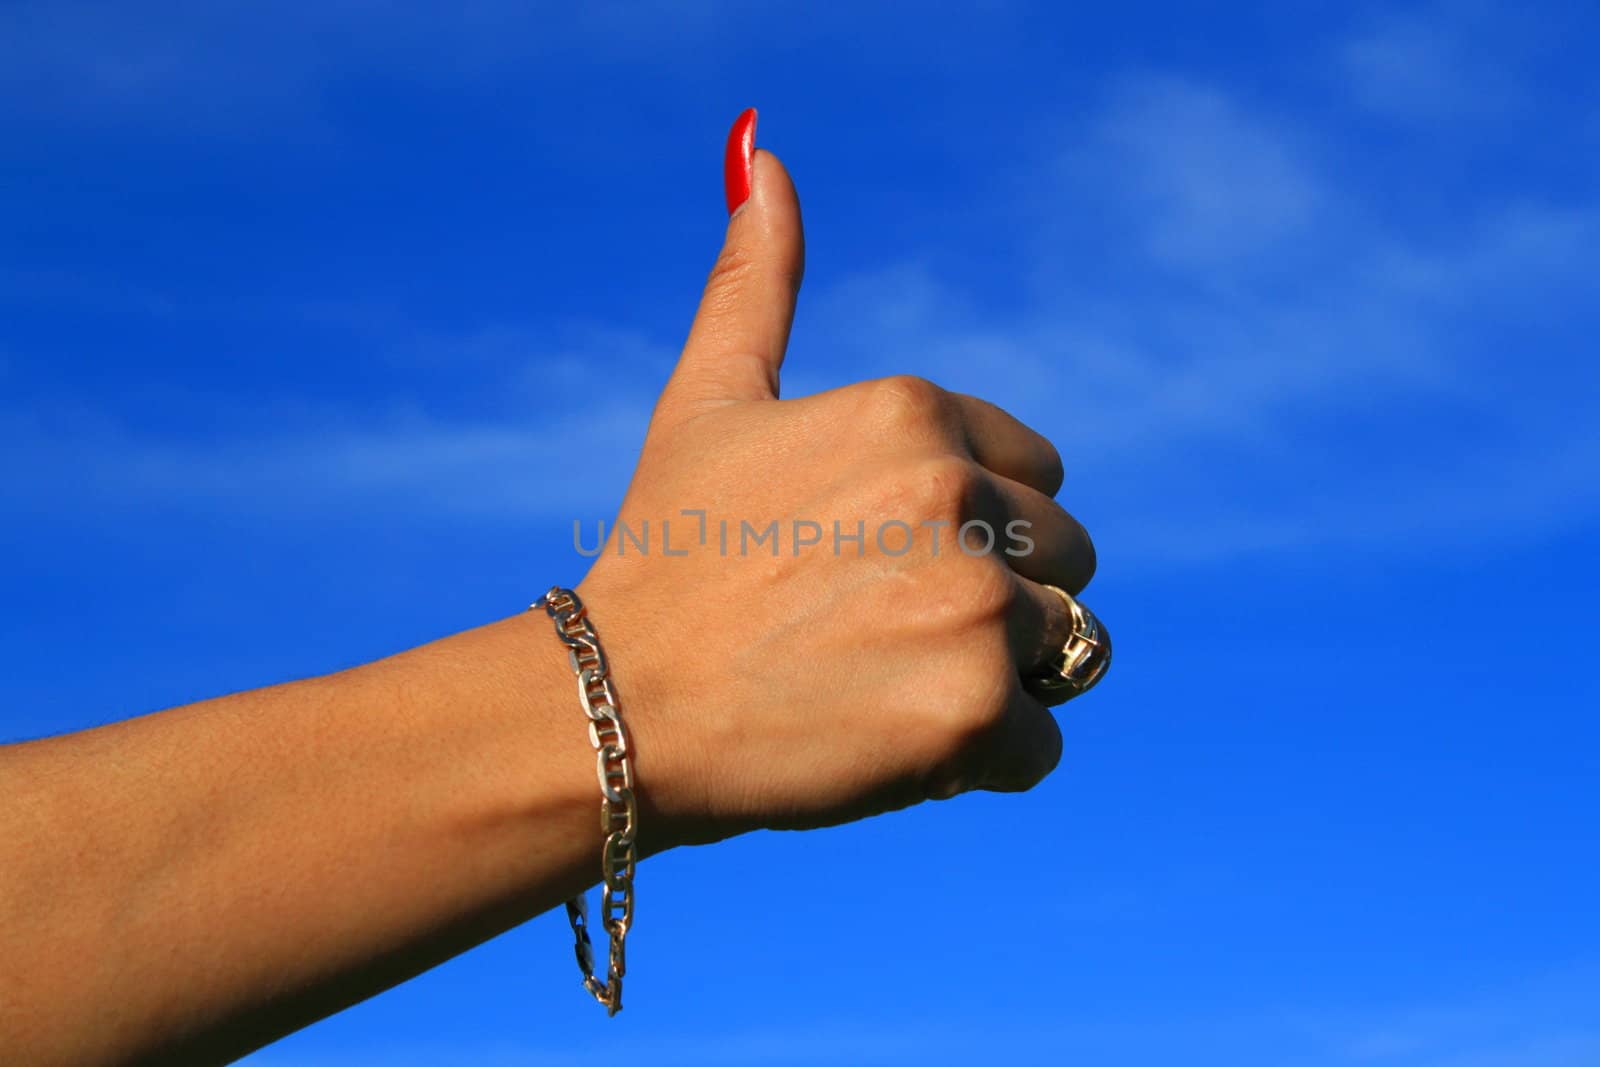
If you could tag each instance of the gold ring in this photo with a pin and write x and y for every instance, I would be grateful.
(1082, 661)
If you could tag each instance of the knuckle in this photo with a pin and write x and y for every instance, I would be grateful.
(944, 487)
(988, 591)
(969, 603)
(954, 598)
(906, 402)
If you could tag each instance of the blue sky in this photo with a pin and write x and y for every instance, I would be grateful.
(296, 303)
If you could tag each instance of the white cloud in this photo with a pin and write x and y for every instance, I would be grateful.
(1209, 180)
(1449, 63)
(403, 459)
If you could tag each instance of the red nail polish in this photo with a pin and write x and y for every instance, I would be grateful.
(738, 162)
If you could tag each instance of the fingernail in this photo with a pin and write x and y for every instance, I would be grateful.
(739, 159)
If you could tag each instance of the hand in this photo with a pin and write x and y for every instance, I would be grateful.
(825, 682)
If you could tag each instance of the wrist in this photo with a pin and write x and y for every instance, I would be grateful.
(650, 688)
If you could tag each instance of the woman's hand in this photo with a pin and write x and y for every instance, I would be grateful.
(773, 682)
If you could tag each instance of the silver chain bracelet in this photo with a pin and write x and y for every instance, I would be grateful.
(619, 810)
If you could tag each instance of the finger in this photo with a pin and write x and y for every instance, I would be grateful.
(737, 342)
(1037, 537)
(1025, 746)
(1038, 627)
(1005, 445)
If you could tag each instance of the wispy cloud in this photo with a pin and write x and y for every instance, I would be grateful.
(1445, 64)
(1207, 180)
(403, 458)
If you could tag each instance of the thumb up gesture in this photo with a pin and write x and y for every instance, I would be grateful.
(823, 608)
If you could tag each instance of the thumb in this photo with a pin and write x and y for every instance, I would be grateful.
(737, 342)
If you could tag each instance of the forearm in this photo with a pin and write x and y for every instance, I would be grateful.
(208, 878)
